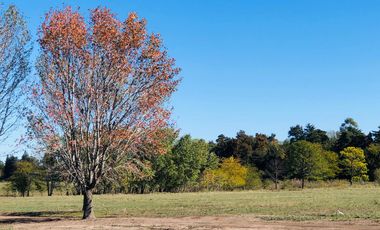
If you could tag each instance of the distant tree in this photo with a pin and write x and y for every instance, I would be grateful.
(196, 156)
(212, 161)
(244, 148)
(231, 174)
(165, 174)
(27, 157)
(183, 165)
(224, 146)
(253, 178)
(377, 175)
(140, 182)
(9, 167)
(262, 144)
(372, 156)
(332, 169)
(142, 178)
(350, 136)
(331, 143)
(262, 152)
(253, 150)
(309, 133)
(376, 136)
(1, 169)
(52, 172)
(296, 133)
(25, 174)
(307, 160)
(274, 162)
(353, 164)
(14, 65)
(315, 135)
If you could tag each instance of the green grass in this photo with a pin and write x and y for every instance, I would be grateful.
(309, 204)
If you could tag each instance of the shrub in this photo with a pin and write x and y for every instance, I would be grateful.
(26, 178)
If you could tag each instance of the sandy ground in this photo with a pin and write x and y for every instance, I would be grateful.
(206, 222)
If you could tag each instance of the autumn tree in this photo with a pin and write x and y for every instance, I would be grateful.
(102, 92)
(14, 65)
(231, 174)
(353, 164)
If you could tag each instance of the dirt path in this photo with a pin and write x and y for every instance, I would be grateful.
(204, 223)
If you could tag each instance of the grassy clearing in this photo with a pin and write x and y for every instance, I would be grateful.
(310, 204)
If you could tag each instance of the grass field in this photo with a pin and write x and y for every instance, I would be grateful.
(309, 204)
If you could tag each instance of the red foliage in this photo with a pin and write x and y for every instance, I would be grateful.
(103, 89)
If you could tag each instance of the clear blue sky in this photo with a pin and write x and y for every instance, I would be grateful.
(261, 66)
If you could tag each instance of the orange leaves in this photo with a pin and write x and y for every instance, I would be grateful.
(105, 84)
(134, 31)
(105, 28)
(63, 31)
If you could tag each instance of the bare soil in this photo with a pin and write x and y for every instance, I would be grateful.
(204, 223)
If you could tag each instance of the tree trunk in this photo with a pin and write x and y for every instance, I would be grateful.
(303, 183)
(351, 175)
(276, 180)
(87, 205)
(50, 187)
(275, 184)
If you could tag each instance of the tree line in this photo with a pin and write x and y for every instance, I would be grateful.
(241, 162)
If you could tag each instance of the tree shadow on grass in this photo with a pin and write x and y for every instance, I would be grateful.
(35, 217)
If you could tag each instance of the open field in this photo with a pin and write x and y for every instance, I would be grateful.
(356, 204)
(309, 204)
